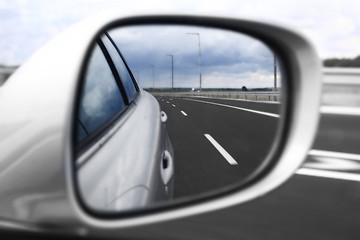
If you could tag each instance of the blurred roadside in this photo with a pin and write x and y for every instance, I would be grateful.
(5, 72)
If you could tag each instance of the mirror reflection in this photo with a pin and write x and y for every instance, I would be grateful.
(170, 113)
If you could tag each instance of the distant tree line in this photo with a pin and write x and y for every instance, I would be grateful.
(6, 66)
(343, 62)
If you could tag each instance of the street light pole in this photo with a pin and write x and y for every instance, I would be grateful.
(172, 70)
(198, 34)
(275, 84)
(152, 65)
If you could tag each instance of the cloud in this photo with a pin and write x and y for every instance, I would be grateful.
(100, 100)
(333, 26)
(325, 23)
(225, 55)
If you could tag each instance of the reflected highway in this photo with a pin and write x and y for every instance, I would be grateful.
(217, 142)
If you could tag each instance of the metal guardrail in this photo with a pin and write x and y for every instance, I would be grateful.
(250, 96)
(341, 87)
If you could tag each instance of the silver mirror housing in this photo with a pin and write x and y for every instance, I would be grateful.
(37, 180)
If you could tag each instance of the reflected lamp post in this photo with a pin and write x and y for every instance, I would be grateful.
(172, 70)
(152, 65)
(198, 34)
(275, 83)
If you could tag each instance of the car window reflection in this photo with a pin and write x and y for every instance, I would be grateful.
(121, 69)
(100, 98)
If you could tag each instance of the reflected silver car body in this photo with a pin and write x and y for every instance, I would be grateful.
(124, 169)
(37, 112)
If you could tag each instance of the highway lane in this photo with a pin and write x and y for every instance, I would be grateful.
(199, 164)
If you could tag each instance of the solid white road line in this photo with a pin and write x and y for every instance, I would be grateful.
(329, 174)
(239, 108)
(184, 113)
(237, 99)
(223, 152)
(355, 111)
(329, 154)
(332, 164)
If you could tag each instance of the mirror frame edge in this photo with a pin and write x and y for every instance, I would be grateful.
(303, 87)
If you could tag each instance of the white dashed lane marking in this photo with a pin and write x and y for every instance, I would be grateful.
(223, 152)
(184, 113)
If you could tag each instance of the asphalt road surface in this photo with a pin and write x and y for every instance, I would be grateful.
(217, 143)
(322, 201)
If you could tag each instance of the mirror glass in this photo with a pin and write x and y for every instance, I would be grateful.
(168, 114)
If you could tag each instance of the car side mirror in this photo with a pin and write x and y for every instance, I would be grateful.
(154, 118)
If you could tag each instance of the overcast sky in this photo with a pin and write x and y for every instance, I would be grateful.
(228, 59)
(332, 25)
